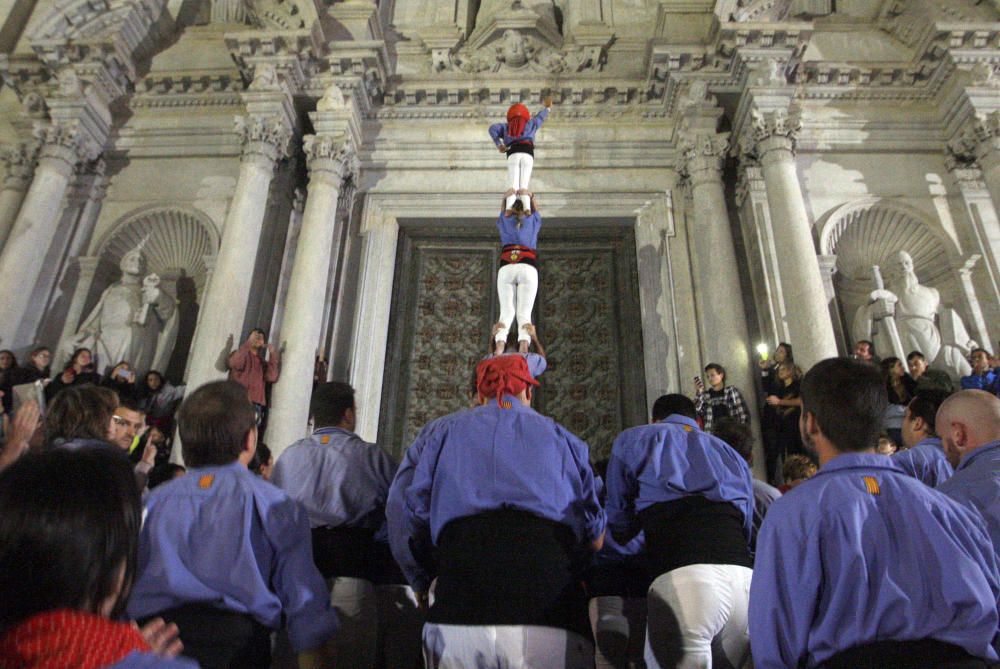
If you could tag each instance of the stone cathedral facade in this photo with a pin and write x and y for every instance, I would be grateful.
(714, 174)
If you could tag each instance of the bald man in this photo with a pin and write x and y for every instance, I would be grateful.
(969, 425)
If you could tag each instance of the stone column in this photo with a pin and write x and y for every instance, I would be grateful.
(810, 327)
(64, 147)
(265, 141)
(722, 313)
(87, 266)
(329, 158)
(20, 162)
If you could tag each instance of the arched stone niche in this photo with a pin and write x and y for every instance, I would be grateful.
(872, 232)
(179, 245)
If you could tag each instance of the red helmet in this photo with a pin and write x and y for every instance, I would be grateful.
(517, 117)
(518, 111)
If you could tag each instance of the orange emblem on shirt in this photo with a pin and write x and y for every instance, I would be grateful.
(325, 439)
(871, 485)
(205, 481)
(687, 428)
(505, 404)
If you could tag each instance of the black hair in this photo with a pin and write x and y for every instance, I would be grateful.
(848, 399)
(887, 364)
(131, 403)
(915, 354)
(330, 401)
(163, 473)
(979, 350)
(213, 423)
(70, 523)
(717, 367)
(789, 355)
(674, 403)
(13, 358)
(736, 434)
(260, 458)
(76, 354)
(925, 405)
(260, 330)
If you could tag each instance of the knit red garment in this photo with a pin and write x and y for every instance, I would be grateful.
(67, 639)
(503, 375)
(517, 118)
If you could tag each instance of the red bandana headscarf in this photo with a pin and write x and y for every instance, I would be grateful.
(503, 375)
(517, 117)
(66, 638)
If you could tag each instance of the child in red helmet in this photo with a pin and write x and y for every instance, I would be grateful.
(516, 138)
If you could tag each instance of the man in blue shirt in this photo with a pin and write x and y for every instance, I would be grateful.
(970, 428)
(342, 481)
(499, 503)
(224, 554)
(862, 565)
(517, 278)
(924, 458)
(982, 377)
(692, 496)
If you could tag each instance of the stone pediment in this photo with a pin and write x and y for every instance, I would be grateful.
(525, 21)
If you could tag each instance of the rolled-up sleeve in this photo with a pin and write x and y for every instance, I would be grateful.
(404, 531)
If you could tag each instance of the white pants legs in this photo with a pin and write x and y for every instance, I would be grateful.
(517, 285)
(518, 177)
(697, 617)
(355, 644)
(504, 647)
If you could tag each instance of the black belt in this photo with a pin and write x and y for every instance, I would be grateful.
(521, 147)
(913, 654)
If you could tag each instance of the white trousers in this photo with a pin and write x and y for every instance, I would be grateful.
(518, 177)
(697, 617)
(619, 625)
(504, 647)
(517, 285)
(355, 644)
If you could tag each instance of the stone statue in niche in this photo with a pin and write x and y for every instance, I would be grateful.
(909, 317)
(265, 78)
(333, 98)
(134, 321)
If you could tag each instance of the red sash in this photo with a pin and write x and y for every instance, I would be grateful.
(514, 253)
(65, 638)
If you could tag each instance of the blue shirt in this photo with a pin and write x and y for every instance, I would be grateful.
(339, 478)
(976, 484)
(536, 362)
(764, 495)
(485, 459)
(862, 552)
(223, 537)
(667, 461)
(526, 235)
(500, 133)
(925, 462)
(980, 381)
(138, 660)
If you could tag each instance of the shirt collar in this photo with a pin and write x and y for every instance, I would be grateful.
(991, 447)
(235, 465)
(858, 461)
(677, 419)
(931, 441)
(331, 429)
(515, 404)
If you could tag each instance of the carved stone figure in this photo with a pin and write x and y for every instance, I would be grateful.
(910, 309)
(514, 49)
(134, 321)
(333, 98)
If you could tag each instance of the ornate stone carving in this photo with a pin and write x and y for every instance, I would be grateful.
(20, 160)
(333, 98)
(702, 155)
(265, 78)
(779, 125)
(264, 137)
(518, 51)
(232, 11)
(983, 74)
(331, 154)
(66, 141)
(770, 72)
(976, 137)
(33, 105)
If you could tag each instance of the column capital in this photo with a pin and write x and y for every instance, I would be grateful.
(771, 130)
(330, 156)
(702, 155)
(265, 139)
(967, 175)
(66, 142)
(20, 160)
(978, 138)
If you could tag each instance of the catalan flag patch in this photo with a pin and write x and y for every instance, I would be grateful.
(205, 481)
(505, 404)
(871, 485)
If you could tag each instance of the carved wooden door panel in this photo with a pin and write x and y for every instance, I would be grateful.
(587, 314)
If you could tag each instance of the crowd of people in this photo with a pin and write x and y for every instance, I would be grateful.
(496, 542)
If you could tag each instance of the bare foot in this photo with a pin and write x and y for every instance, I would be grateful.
(522, 346)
